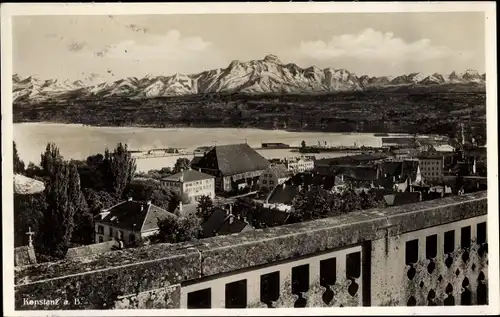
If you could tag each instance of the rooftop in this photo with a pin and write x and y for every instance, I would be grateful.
(134, 216)
(279, 170)
(235, 159)
(188, 176)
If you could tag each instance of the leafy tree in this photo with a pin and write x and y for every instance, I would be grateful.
(58, 222)
(181, 164)
(50, 159)
(83, 231)
(205, 207)
(153, 190)
(18, 163)
(34, 171)
(28, 213)
(173, 229)
(98, 200)
(119, 168)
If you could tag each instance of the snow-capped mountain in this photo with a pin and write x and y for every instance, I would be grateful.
(257, 76)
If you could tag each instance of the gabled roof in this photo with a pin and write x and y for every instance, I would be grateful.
(135, 216)
(188, 176)
(229, 228)
(219, 223)
(235, 159)
(213, 222)
(279, 170)
(398, 199)
(283, 195)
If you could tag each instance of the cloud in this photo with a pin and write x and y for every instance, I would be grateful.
(370, 44)
(168, 46)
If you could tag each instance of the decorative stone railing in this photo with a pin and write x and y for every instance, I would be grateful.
(428, 253)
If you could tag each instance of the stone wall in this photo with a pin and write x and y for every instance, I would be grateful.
(155, 276)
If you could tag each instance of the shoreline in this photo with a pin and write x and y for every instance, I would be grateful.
(82, 125)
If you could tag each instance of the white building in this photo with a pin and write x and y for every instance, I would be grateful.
(275, 174)
(128, 222)
(190, 185)
(299, 165)
(431, 166)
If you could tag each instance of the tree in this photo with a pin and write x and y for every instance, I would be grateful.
(119, 168)
(181, 164)
(98, 200)
(83, 220)
(153, 190)
(50, 159)
(18, 163)
(303, 144)
(58, 222)
(173, 229)
(205, 207)
(28, 213)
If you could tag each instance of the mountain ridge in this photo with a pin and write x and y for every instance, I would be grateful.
(268, 75)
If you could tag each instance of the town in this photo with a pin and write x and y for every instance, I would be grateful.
(227, 189)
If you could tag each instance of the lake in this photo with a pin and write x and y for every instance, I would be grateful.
(76, 141)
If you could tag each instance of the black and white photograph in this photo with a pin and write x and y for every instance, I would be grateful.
(172, 159)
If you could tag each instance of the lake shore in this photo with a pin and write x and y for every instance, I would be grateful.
(77, 141)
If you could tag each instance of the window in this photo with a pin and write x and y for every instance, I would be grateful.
(200, 299)
(271, 182)
(264, 182)
(100, 229)
(110, 231)
(236, 294)
(101, 239)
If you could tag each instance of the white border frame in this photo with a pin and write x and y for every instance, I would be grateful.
(11, 9)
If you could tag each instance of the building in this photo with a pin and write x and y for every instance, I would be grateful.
(224, 222)
(275, 174)
(190, 185)
(234, 166)
(128, 222)
(300, 164)
(431, 166)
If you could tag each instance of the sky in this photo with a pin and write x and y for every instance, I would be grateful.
(102, 47)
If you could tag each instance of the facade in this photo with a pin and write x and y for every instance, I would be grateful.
(299, 165)
(234, 166)
(190, 185)
(128, 222)
(431, 167)
(275, 174)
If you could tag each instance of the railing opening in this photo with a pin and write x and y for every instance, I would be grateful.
(270, 288)
(200, 299)
(236, 294)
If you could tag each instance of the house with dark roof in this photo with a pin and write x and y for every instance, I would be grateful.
(281, 197)
(224, 222)
(275, 174)
(190, 185)
(128, 222)
(234, 166)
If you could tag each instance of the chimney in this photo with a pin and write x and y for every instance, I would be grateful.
(129, 199)
(231, 219)
(181, 179)
(284, 185)
(142, 207)
(148, 202)
(180, 205)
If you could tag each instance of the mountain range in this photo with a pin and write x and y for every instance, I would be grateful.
(268, 75)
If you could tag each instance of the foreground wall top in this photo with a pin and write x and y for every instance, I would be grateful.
(160, 265)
